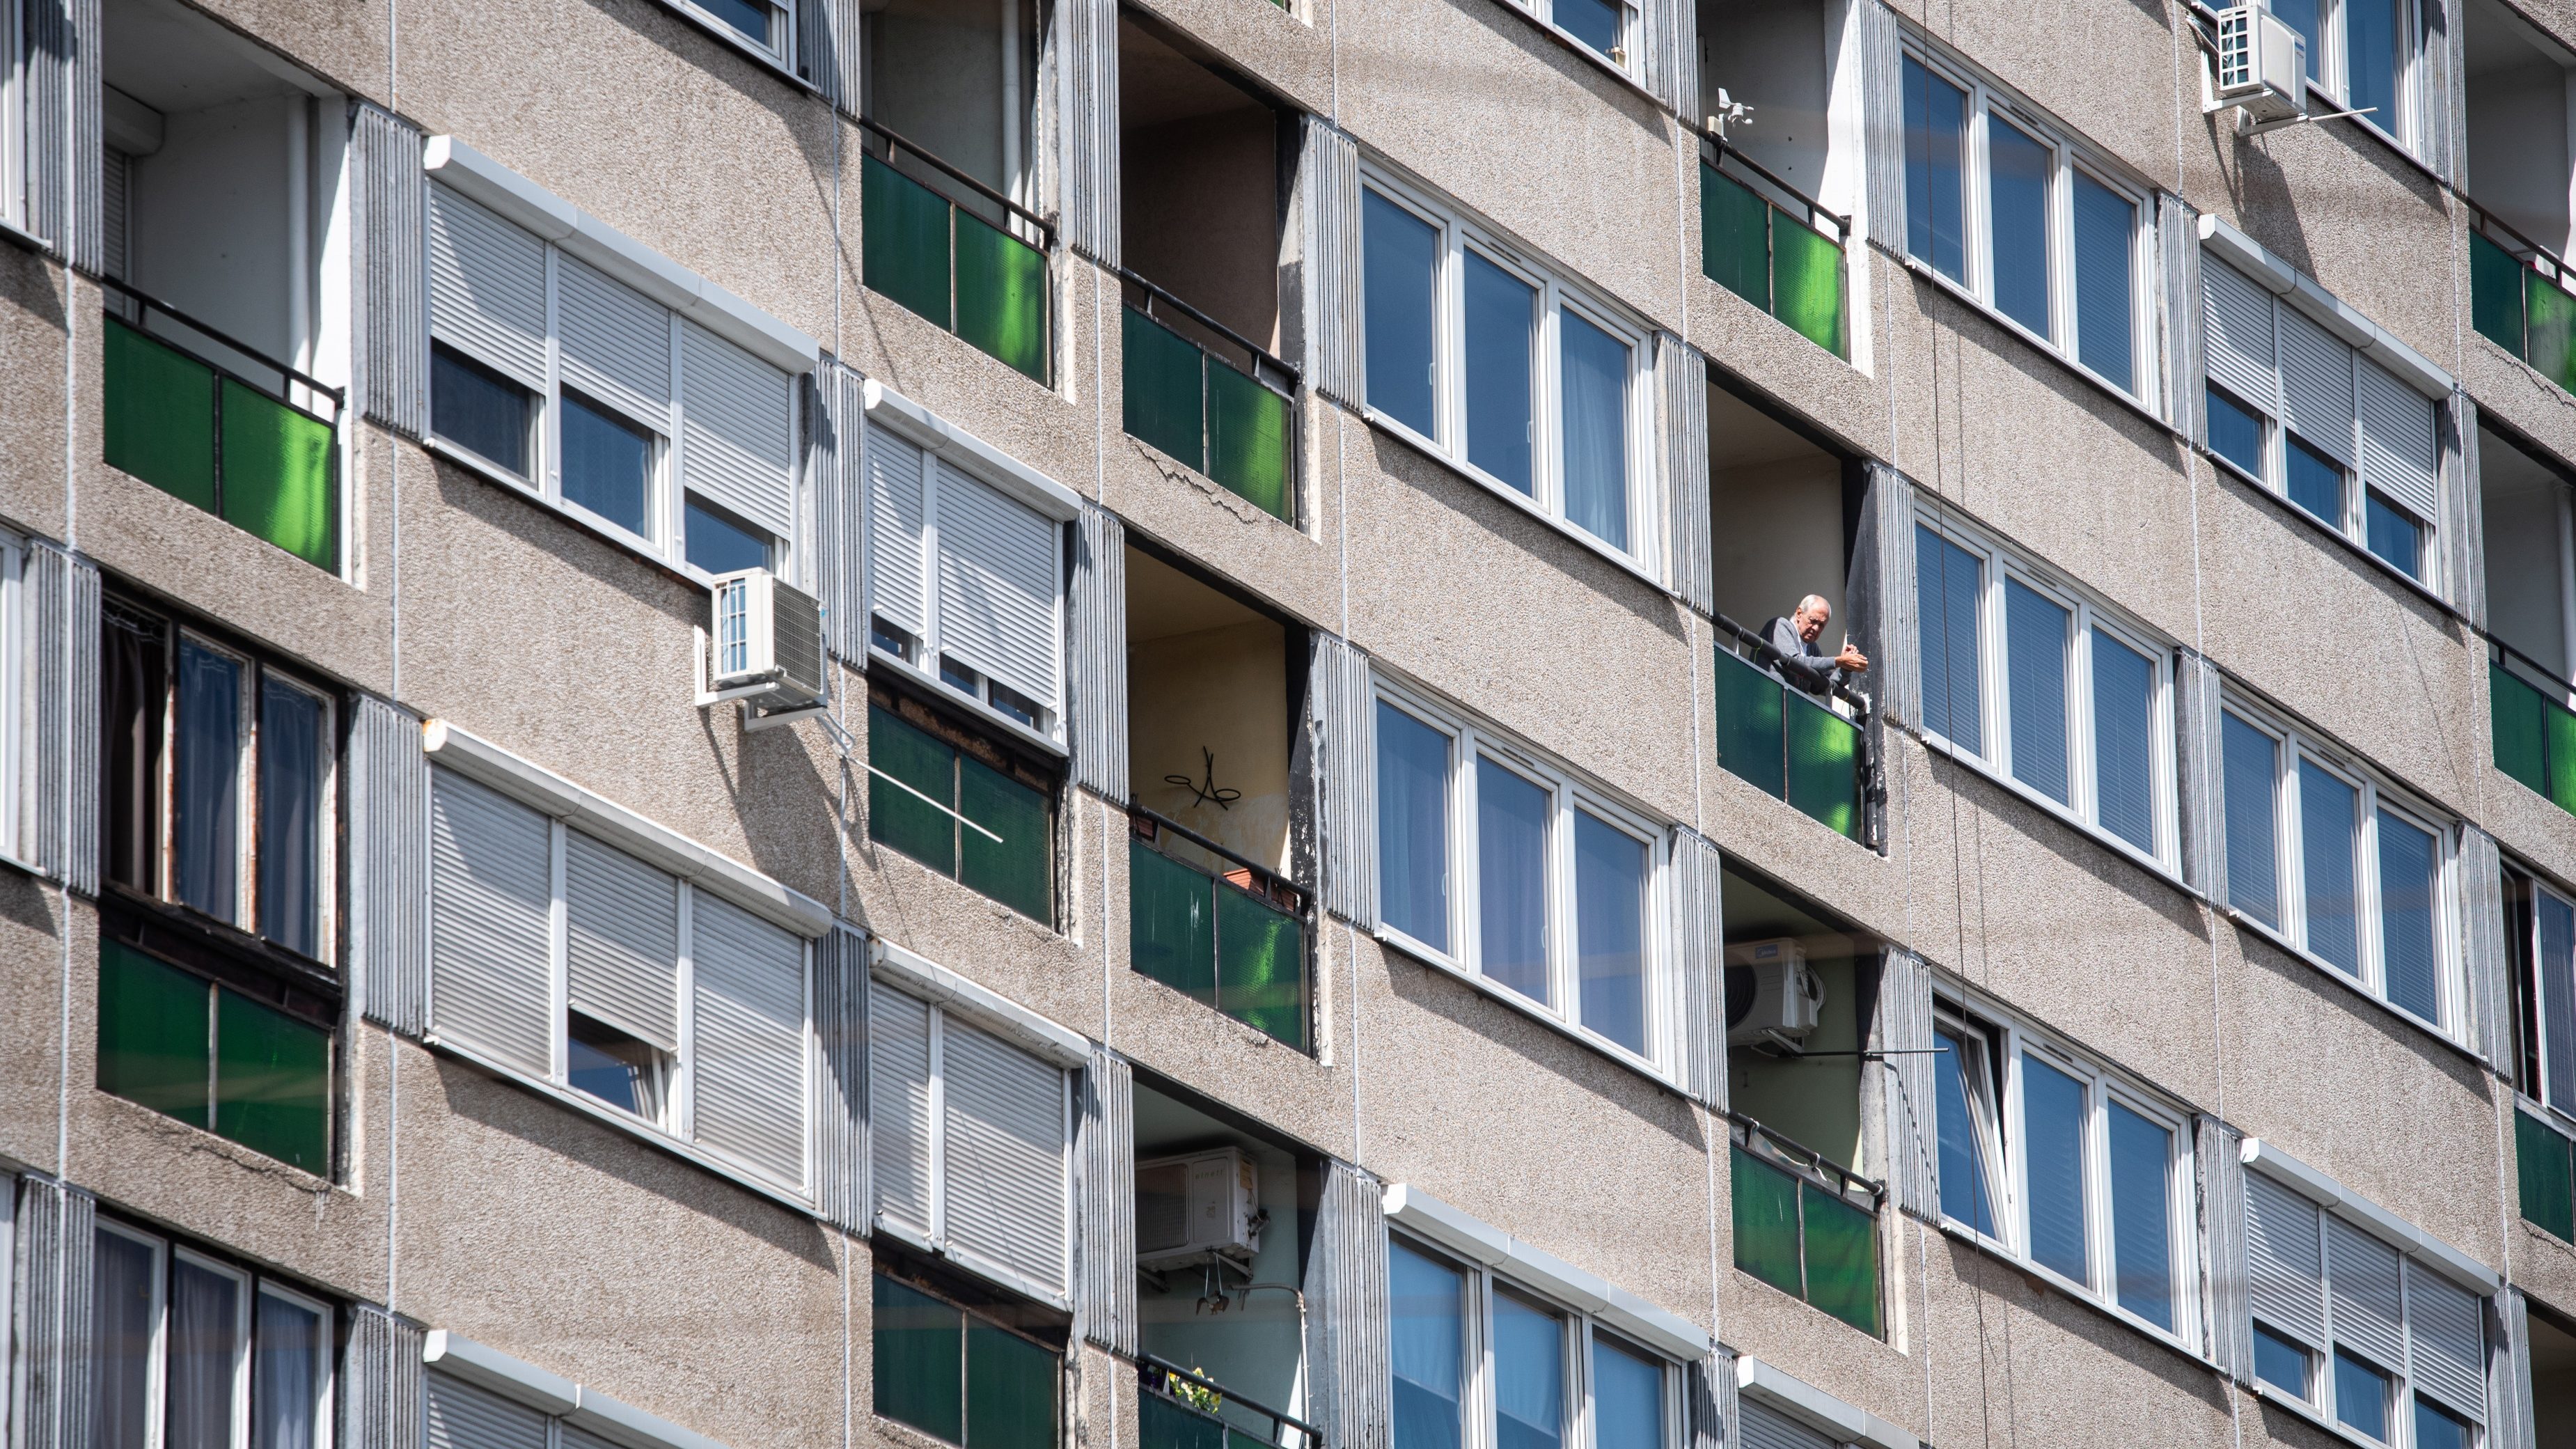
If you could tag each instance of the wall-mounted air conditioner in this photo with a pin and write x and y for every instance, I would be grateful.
(765, 646)
(1190, 1207)
(1771, 996)
(2262, 66)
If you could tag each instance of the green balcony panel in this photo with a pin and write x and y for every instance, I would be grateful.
(272, 1082)
(1823, 763)
(918, 1343)
(278, 466)
(904, 249)
(1749, 724)
(1807, 282)
(1734, 236)
(1766, 1223)
(1002, 295)
(898, 817)
(2550, 330)
(1842, 1257)
(159, 416)
(1010, 1390)
(1170, 932)
(2545, 1166)
(1164, 397)
(2495, 293)
(153, 1044)
(1017, 869)
(1163, 1424)
(1261, 966)
(1248, 439)
(2558, 752)
(2514, 711)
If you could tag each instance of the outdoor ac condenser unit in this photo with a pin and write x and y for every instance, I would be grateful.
(1783, 996)
(1200, 1204)
(767, 644)
(2262, 65)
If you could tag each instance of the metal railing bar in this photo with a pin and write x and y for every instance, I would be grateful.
(2488, 220)
(1766, 656)
(154, 304)
(1260, 356)
(1162, 1365)
(1814, 1161)
(2512, 654)
(1262, 872)
(896, 141)
(1842, 223)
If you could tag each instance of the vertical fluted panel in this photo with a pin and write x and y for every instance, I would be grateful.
(836, 405)
(1347, 1322)
(1342, 713)
(56, 1232)
(1671, 45)
(1904, 1034)
(391, 200)
(1681, 382)
(1104, 1165)
(2463, 544)
(62, 591)
(2178, 243)
(2482, 947)
(379, 1389)
(1882, 89)
(827, 50)
(2217, 1149)
(1099, 720)
(1328, 183)
(46, 29)
(2196, 759)
(1699, 941)
(389, 864)
(1880, 593)
(1090, 128)
(840, 1112)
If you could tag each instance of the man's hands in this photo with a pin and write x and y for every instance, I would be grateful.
(1851, 659)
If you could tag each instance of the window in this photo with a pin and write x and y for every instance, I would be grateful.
(2065, 1167)
(2296, 409)
(1554, 893)
(2076, 704)
(2362, 53)
(548, 372)
(971, 1377)
(192, 1352)
(2359, 1331)
(1465, 1339)
(253, 1068)
(1605, 27)
(2541, 921)
(2331, 865)
(962, 805)
(220, 778)
(570, 961)
(1504, 371)
(2002, 205)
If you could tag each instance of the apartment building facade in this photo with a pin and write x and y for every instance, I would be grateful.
(898, 723)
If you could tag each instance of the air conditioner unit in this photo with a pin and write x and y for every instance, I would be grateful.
(2262, 65)
(766, 647)
(1190, 1207)
(1771, 996)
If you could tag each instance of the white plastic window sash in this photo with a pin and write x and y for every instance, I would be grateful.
(1986, 1124)
(248, 1289)
(1626, 58)
(326, 1384)
(14, 623)
(156, 1368)
(1566, 797)
(2333, 79)
(2551, 1093)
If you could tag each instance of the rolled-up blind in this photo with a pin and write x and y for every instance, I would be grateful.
(1765, 1427)
(459, 1415)
(898, 532)
(737, 431)
(2316, 385)
(1004, 1156)
(2236, 335)
(487, 288)
(615, 342)
(900, 1115)
(748, 1069)
(2284, 1273)
(490, 896)
(2368, 1297)
(622, 941)
(2399, 454)
(2446, 1327)
(999, 586)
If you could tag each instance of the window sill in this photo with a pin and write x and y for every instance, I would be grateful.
(1627, 563)
(1414, 950)
(2170, 875)
(2307, 1411)
(19, 236)
(2047, 348)
(766, 59)
(2069, 1288)
(608, 533)
(983, 714)
(1596, 59)
(2350, 545)
(2349, 983)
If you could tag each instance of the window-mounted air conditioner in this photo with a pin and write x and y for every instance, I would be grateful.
(2262, 65)
(1771, 996)
(1190, 1207)
(766, 647)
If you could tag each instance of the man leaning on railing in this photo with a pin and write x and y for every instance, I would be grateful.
(1794, 637)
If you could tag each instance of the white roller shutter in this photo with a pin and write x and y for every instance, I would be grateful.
(736, 430)
(622, 941)
(748, 1068)
(2369, 1302)
(2316, 386)
(2447, 1326)
(616, 343)
(1005, 1162)
(487, 287)
(898, 523)
(491, 898)
(2238, 320)
(2285, 1279)
(999, 586)
(2398, 450)
(900, 1107)
(1764, 1427)
(457, 1415)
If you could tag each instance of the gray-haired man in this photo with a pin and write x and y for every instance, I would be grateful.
(1794, 638)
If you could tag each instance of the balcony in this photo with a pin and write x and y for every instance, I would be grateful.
(2533, 727)
(2518, 298)
(1805, 1226)
(1216, 927)
(1764, 240)
(1192, 399)
(2545, 1170)
(1785, 740)
(1177, 1408)
(956, 252)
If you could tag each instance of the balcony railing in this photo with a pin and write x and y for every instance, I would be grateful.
(1215, 926)
(1231, 420)
(2533, 727)
(205, 417)
(2519, 298)
(1764, 240)
(1786, 741)
(1805, 1226)
(1178, 1408)
(945, 258)
(2545, 1172)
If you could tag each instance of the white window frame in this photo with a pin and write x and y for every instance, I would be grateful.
(157, 1363)
(1996, 565)
(326, 1403)
(1478, 1400)
(1458, 234)
(2334, 71)
(1622, 57)
(2290, 869)
(1470, 743)
(2540, 1092)
(1987, 103)
(167, 1254)
(2006, 1166)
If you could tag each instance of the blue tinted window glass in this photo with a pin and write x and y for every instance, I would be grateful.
(1964, 1168)
(1946, 584)
(2361, 1396)
(208, 787)
(2280, 1362)
(2106, 223)
(1529, 1375)
(1936, 130)
(1400, 257)
(1502, 316)
(2315, 482)
(292, 764)
(2035, 630)
(748, 16)
(2408, 878)
(2438, 1429)
(2327, 858)
(2250, 763)
(2370, 62)
(1594, 382)
(1610, 930)
(1424, 1297)
(1413, 827)
(2555, 926)
(2017, 171)
(1511, 879)
(718, 544)
(2142, 1215)
(1594, 22)
(2124, 711)
(1627, 1398)
(2394, 535)
(479, 410)
(2235, 433)
(607, 465)
(2052, 1113)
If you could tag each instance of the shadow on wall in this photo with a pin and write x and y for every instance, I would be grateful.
(1973, 1267)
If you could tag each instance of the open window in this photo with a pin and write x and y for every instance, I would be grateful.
(1225, 1215)
(225, 203)
(1778, 177)
(1201, 160)
(2552, 1346)
(1213, 692)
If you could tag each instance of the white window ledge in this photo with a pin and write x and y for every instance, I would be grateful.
(2064, 816)
(2351, 546)
(554, 219)
(2325, 308)
(549, 793)
(2351, 983)
(1626, 563)
(1810, 1405)
(2305, 1410)
(530, 1386)
(2333, 1196)
(934, 434)
(920, 976)
(2055, 353)
(1389, 936)
(1425, 1216)
(2072, 1290)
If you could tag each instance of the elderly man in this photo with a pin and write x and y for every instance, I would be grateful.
(1794, 638)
